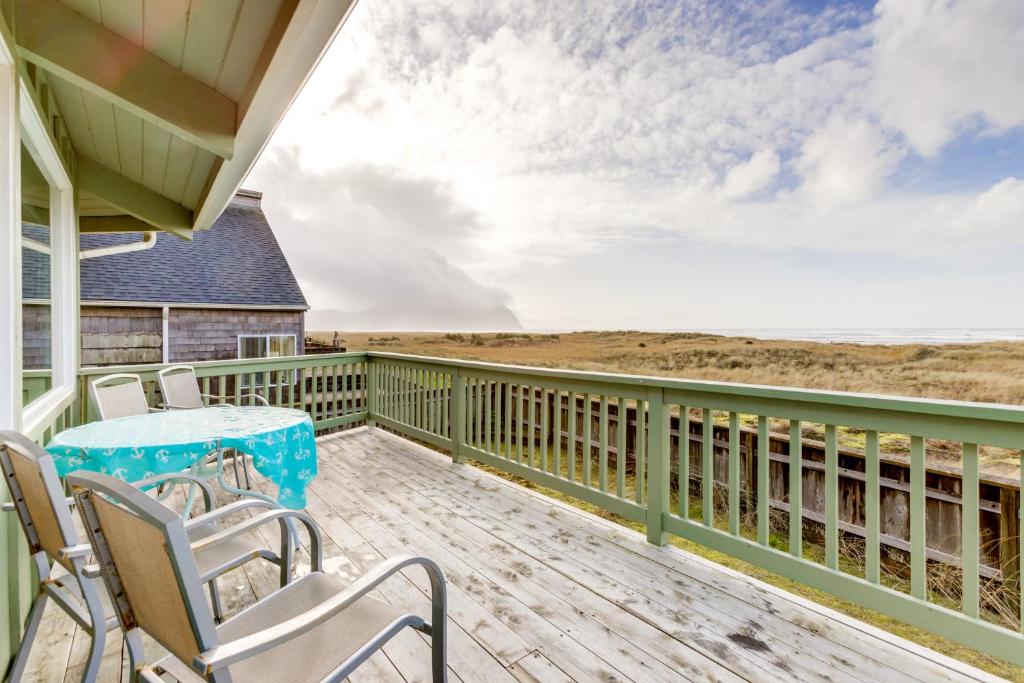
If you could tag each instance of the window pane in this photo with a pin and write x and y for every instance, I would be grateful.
(36, 273)
(282, 345)
(252, 347)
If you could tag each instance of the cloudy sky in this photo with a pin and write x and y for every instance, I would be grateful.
(662, 165)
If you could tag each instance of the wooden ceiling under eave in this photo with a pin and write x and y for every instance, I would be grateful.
(168, 103)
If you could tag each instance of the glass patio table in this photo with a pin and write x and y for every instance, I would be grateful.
(281, 442)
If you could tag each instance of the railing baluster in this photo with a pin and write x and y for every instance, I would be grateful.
(796, 489)
(518, 423)
(206, 391)
(918, 561)
(544, 429)
(734, 474)
(334, 380)
(446, 404)
(487, 415)
(532, 439)
(424, 399)
(556, 441)
(969, 534)
(602, 445)
(570, 444)
(302, 388)
(763, 481)
(683, 463)
(508, 420)
(587, 436)
(459, 396)
(831, 497)
(478, 402)
(420, 383)
(707, 469)
(872, 507)
(621, 425)
(641, 450)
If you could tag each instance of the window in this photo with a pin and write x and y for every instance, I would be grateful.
(48, 268)
(266, 346)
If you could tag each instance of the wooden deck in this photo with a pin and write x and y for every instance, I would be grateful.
(541, 591)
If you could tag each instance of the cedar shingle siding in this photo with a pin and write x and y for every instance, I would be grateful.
(212, 334)
(237, 262)
(121, 336)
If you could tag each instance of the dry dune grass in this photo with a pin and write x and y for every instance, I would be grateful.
(991, 372)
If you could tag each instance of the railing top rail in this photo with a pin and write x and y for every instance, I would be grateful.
(902, 404)
(318, 359)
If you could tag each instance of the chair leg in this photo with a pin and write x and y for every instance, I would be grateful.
(288, 547)
(218, 613)
(136, 654)
(245, 470)
(31, 626)
(98, 617)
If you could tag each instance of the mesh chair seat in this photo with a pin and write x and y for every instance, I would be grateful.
(228, 554)
(315, 654)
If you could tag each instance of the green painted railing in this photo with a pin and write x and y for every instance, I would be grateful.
(330, 387)
(615, 441)
(551, 427)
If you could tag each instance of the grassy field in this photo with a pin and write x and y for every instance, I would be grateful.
(992, 372)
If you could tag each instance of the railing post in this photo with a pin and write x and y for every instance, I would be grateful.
(459, 399)
(371, 392)
(658, 465)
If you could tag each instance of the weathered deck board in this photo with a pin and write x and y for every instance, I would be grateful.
(541, 591)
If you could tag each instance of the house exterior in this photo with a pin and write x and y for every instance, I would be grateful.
(227, 293)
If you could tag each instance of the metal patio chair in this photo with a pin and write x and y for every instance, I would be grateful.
(315, 629)
(179, 388)
(119, 395)
(37, 496)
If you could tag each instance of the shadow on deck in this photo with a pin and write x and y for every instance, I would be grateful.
(541, 591)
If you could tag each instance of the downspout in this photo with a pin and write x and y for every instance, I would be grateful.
(148, 241)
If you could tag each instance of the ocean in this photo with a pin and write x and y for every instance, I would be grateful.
(890, 336)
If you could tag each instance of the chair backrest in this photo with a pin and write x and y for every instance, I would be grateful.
(147, 564)
(179, 387)
(38, 495)
(119, 395)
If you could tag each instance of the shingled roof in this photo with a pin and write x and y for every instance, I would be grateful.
(236, 262)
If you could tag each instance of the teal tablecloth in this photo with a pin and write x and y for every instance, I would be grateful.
(280, 441)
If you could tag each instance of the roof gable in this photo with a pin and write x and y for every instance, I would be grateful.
(237, 262)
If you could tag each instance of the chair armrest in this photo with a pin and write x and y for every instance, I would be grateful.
(157, 410)
(70, 552)
(229, 509)
(247, 646)
(204, 486)
(280, 515)
(259, 398)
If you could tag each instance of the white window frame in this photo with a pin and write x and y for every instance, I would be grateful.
(266, 337)
(21, 124)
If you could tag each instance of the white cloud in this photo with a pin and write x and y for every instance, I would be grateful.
(845, 162)
(505, 136)
(940, 66)
(747, 178)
